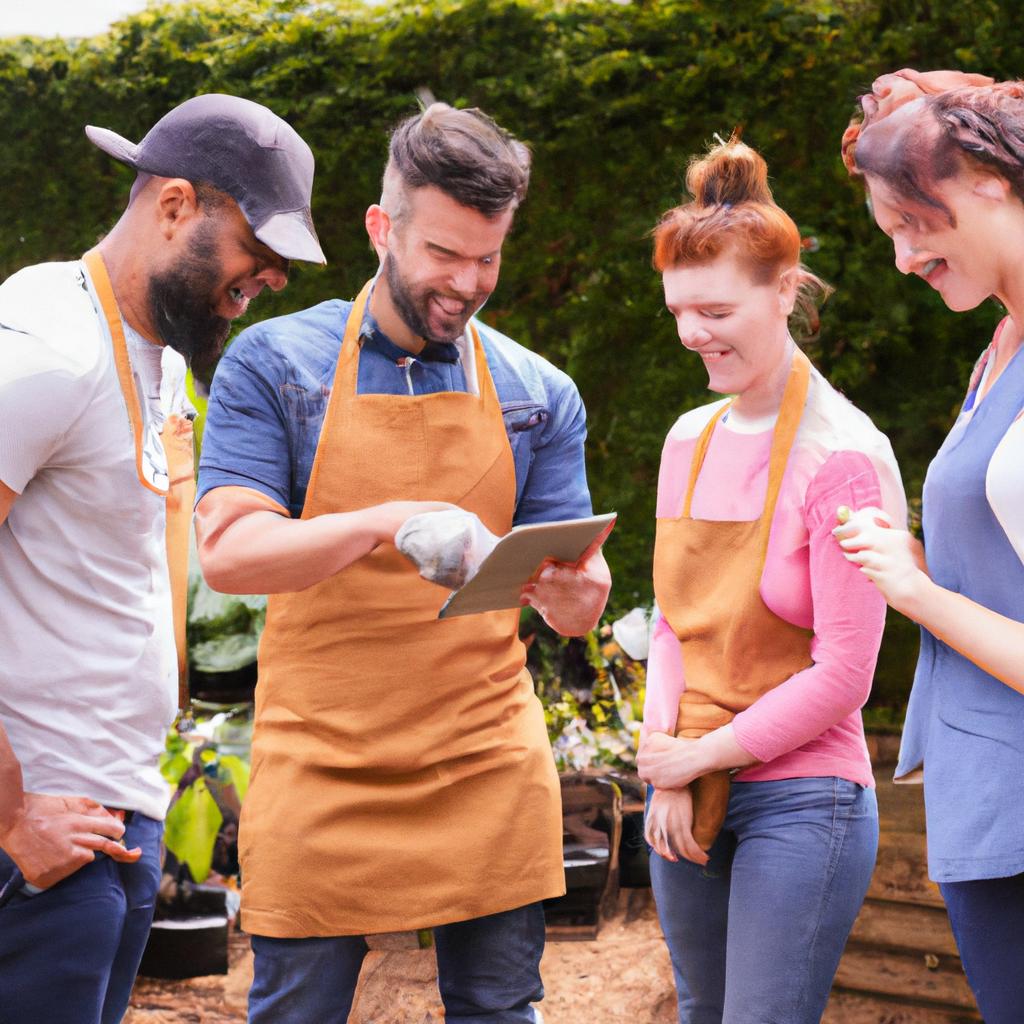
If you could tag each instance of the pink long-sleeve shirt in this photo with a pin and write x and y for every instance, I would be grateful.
(809, 725)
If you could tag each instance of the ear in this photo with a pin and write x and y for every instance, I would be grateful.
(789, 282)
(992, 187)
(176, 206)
(378, 227)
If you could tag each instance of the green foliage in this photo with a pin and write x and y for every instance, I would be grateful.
(223, 629)
(593, 712)
(208, 772)
(613, 98)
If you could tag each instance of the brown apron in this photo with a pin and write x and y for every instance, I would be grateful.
(707, 578)
(401, 773)
(180, 492)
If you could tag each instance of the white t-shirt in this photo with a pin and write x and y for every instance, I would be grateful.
(87, 660)
(1004, 479)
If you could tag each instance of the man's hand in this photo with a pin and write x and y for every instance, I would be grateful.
(390, 517)
(669, 826)
(54, 836)
(570, 598)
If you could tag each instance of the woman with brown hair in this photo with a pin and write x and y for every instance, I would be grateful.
(767, 641)
(941, 155)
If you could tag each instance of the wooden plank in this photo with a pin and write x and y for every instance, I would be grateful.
(900, 805)
(858, 1008)
(571, 932)
(923, 929)
(901, 871)
(910, 975)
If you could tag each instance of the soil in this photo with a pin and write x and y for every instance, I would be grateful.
(621, 977)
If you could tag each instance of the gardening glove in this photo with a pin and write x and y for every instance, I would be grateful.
(446, 547)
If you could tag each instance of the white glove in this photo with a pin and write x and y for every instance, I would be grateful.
(446, 547)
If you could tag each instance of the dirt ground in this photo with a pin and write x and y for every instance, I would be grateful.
(623, 977)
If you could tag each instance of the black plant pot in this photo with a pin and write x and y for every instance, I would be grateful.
(192, 939)
(223, 687)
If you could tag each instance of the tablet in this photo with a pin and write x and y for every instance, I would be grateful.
(516, 557)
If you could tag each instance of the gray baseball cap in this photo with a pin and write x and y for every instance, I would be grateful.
(241, 148)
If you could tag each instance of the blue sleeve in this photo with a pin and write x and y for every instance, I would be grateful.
(556, 484)
(245, 439)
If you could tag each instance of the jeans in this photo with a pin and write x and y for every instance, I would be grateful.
(987, 917)
(69, 954)
(755, 936)
(488, 972)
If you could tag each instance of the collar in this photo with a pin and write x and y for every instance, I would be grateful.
(371, 335)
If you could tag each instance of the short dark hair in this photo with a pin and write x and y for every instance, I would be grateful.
(208, 196)
(465, 154)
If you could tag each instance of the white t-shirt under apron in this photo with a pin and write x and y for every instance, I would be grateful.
(87, 661)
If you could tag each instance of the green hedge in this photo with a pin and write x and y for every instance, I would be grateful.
(612, 97)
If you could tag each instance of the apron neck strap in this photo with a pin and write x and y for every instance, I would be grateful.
(112, 315)
(180, 491)
(794, 398)
(354, 324)
(698, 456)
(790, 413)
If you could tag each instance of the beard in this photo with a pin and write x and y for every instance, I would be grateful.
(180, 301)
(413, 306)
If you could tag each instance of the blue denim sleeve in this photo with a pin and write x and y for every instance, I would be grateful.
(556, 482)
(245, 439)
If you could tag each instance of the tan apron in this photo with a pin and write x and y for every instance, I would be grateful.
(401, 773)
(177, 440)
(707, 578)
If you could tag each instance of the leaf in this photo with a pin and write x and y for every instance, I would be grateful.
(173, 766)
(238, 772)
(191, 829)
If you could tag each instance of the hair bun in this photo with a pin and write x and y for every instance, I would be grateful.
(730, 173)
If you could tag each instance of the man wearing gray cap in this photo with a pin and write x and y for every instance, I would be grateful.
(95, 501)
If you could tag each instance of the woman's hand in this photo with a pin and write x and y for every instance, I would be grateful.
(892, 559)
(893, 90)
(669, 826)
(669, 762)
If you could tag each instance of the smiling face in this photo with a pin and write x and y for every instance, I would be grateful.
(736, 325)
(222, 267)
(956, 250)
(441, 263)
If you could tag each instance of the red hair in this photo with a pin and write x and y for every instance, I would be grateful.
(733, 209)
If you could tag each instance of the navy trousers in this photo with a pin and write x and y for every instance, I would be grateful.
(69, 954)
(488, 972)
(988, 924)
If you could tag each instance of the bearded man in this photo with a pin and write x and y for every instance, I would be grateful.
(402, 776)
(95, 487)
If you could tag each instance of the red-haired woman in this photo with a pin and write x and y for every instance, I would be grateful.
(766, 647)
(942, 157)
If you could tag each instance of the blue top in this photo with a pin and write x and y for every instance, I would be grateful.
(271, 389)
(963, 724)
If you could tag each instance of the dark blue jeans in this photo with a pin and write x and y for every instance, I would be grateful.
(755, 936)
(488, 972)
(69, 954)
(988, 923)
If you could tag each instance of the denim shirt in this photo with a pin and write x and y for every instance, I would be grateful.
(272, 386)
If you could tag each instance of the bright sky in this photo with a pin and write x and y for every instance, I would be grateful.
(62, 17)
